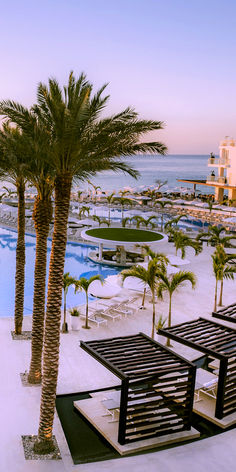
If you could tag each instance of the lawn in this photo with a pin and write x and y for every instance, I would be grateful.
(124, 234)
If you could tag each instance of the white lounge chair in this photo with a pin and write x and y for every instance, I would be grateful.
(95, 318)
(206, 383)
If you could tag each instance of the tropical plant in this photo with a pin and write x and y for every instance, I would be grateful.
(14, 158)
(9, 191)
(104, 221)
(160, 323)
(110, 199)
(210, 204)
(138, 220)
(173, 223)
(82, 144)
(79, 193)
(217, 236)
(223, 269)
(182, 241)
(123, 202)
(74, 312)
(170, 284)
(83, 284)
(149, 277)
(125, 221)
(163, 204)
(160, 183)
(67, 282)
(84, 209)
(98, 219)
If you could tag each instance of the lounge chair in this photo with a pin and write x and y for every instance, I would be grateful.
(109, 313)
(95, 318)
(205, 384)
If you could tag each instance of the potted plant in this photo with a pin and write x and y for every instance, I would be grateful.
(159, 325)
(74, 313)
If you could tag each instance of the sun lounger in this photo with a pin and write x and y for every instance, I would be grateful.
(95, 318)
(208, 387)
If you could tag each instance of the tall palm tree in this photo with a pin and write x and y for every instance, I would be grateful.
(171, 284)
(83, 284)
(163, 204)
(217, 236)
(82, 144)
(13, 164)
(182, 241)
(67, 282)
(149, 277)
(222, 270)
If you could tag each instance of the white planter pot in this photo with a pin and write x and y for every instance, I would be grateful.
(74, 322)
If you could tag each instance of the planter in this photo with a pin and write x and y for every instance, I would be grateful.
(74, 322)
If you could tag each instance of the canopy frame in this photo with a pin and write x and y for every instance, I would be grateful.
(218, 341)
(157, 385)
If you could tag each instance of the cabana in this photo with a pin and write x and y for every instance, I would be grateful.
(227, 314)
(156, 393)
(219, 342)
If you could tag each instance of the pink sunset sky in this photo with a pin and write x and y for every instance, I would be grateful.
(173, 61)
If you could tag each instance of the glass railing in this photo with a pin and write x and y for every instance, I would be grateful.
(218, 162)
(217, 179)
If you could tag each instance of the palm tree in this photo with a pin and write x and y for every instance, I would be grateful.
(138, 220)
(172, 283)
(125, 221)
(83, 284)
(182, 241)
(98, 219)
(148, 221)
(13, 163)
(67, 282)
(162, 205)
(217, 236)
(10, 192)
(79, 193)
(149, 277)
(82, 144)
(110, 199)
(222, 270)
(123, 201)
(173, 223)
(83, 210)
(160, 183)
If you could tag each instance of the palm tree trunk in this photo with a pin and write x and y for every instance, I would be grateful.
(162, 221)
(53, 315)
(221, 293)
(153, 315)
(143, 300)
(169, 321)
(20, 258)
(215, 304)
(86, 316)
(42, 217)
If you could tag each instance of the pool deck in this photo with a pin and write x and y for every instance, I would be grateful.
(20, 405)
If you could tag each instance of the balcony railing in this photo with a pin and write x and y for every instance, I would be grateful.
(212, 161)
(216, 179)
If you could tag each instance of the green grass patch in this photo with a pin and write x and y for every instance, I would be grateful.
(124, 234)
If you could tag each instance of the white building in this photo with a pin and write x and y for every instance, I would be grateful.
(223, 175)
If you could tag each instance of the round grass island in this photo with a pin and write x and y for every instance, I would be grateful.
(121, 239)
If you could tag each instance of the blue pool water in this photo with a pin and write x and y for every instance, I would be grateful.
(77, 263)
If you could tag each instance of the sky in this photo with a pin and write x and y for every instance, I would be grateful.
(171, 60)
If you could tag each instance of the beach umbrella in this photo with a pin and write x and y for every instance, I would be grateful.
(103, 290)
(232, 219)
(135, 284)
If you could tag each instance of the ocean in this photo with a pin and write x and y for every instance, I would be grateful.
(153, 167)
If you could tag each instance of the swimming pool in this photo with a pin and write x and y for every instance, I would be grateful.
(77, 263)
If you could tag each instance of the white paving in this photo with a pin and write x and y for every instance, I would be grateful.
(79, 372)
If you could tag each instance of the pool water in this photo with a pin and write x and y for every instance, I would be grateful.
(76, 262)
